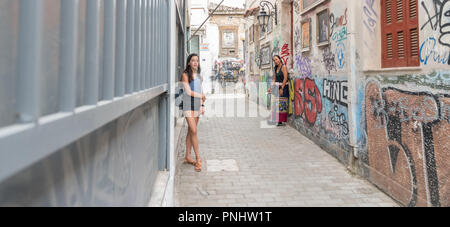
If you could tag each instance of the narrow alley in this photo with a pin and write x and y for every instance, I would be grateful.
(251, 164)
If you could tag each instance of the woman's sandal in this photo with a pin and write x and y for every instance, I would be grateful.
(186, 161)
(198, 166)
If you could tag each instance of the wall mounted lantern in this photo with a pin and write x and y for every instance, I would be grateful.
(264, 17)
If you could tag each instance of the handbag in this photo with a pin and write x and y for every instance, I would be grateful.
(179, 97)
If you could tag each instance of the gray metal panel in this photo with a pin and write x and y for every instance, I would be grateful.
(159, 32)
(109, 49)
(101, 55)
(137, 47)
(120, 48)
(149, 57)
(32, 142)
(28, 83)
(153, 46)
(92, 52)
(107, 167)
(68, 55)
(49, 88)
(130, 47)
(143, 44)
(81, 53)
(9, 20)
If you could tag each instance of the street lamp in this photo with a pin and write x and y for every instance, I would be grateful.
(264, 17)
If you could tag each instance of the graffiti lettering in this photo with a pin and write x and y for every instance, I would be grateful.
(285, 53)
(308, 101)
(303, 64)
(440, 18)
(297, 6)
(329, 60)
(340, 35)
(339, 120)
(336, 91)
(428, 49)
(445, 24)
(341, 21)
(371, 16)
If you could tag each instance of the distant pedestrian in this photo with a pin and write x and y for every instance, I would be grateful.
(193, 107)
(280, 98)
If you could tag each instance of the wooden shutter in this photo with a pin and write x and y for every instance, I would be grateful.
(412, 26)
(400, 36)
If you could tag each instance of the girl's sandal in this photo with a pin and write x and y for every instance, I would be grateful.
(198, 166)
(186, 161)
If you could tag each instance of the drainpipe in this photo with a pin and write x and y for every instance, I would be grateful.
(353, 80)
(169, 191)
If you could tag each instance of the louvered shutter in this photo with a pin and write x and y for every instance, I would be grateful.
(400, 37)
(412, 26)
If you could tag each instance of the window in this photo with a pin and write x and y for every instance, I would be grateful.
(228, 39)
(400, 35)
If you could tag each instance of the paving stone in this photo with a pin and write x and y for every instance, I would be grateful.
(248, 163)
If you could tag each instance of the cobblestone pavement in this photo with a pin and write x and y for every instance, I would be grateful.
(249, 165)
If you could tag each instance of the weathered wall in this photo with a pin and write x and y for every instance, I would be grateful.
(405, 118)
(407, 140)
(321, 80)
(114, 166)
(398, 118)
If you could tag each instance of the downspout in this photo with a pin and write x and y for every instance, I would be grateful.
(169, 192)
(353, 80)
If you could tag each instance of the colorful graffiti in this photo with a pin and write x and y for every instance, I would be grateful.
(339, 22)
(370, 16)
(319, 116)
(340, 26)
(308, 102)
(408, 144)
(336, 91)
(328, 58)
(339, 120)
(430, 51)
(285, 53)
(340, 50)
(303, 65)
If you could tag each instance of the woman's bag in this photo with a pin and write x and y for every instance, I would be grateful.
(279, 107)
(179, 97)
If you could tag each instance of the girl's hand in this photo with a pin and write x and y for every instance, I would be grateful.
(269, 91)
(202, 110)
(203, 97)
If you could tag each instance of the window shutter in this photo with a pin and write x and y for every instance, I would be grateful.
(412, 25)
(400, 38)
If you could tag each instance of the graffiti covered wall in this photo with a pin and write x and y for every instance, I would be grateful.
(405, 118)
(407, 150)
(399, 118)
(321, 78)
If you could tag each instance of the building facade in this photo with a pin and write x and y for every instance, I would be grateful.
(371, 86)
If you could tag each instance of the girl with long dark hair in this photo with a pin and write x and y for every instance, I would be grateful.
(193, 106)
(280, 82)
